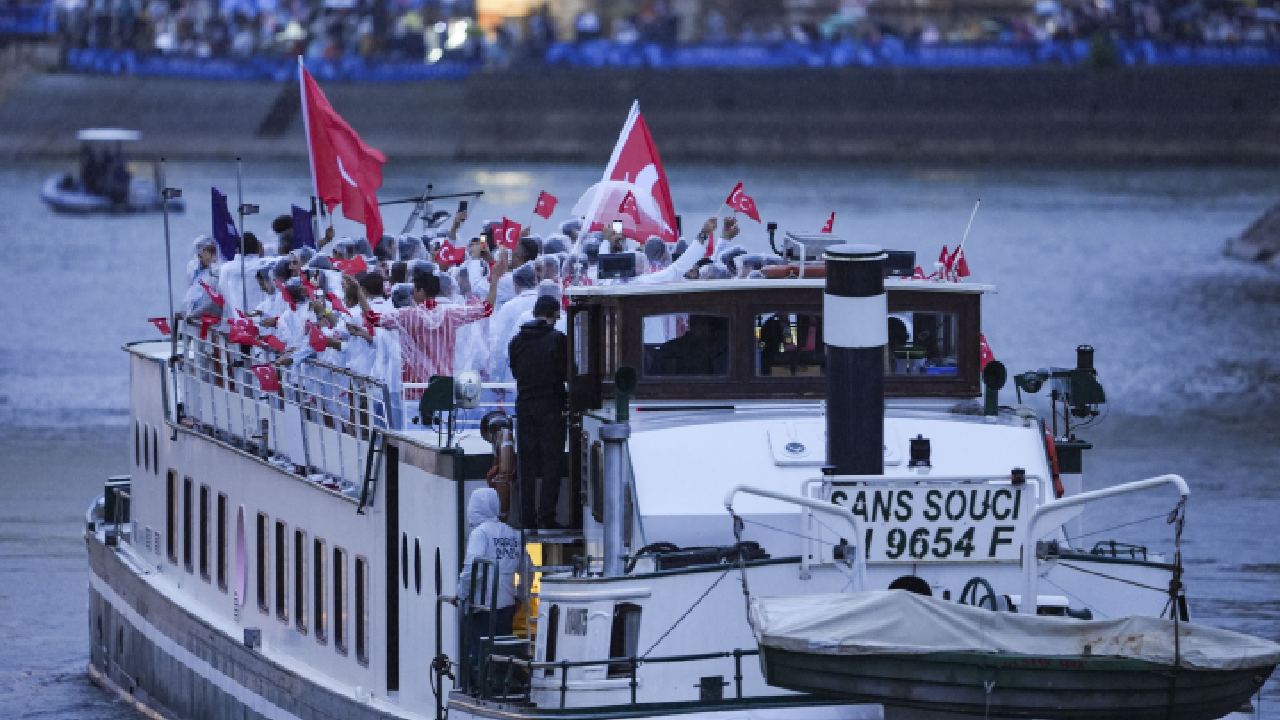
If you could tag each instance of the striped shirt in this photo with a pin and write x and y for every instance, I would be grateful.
(428, 333)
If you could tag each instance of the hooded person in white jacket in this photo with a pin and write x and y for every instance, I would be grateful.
(495, 540)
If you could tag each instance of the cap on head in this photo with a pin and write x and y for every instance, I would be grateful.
(546, 307)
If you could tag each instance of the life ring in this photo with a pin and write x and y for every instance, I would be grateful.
(1051, 450)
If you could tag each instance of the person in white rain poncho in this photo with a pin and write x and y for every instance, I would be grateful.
(495, 540)
(241, 292)
(662, 268)
(472, 349)
(546, 288)
(505, 323)
(201, 269)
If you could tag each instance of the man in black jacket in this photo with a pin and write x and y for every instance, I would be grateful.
(539, 363)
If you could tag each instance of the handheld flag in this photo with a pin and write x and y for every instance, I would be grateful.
(344, 170)
(509, 234)
(635, 160)
(831, 221)
(213, 294)
(224, 229)
(337, 303)
(302, 234)
(284, 292)
(451, 255)
(628, 206)
(267, 379)
(741, 202)
(354, 266)
(207, 321)
(546, 205)
(311, 289)
(272, 342)
(316, 339)
(243, 331)
(987, 355)
(958, 264)
(162, 324)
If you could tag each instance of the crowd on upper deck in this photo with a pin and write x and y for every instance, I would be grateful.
(407, 309)
(433, 30)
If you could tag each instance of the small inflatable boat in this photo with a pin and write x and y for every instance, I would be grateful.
(897, 648)
(108, 182)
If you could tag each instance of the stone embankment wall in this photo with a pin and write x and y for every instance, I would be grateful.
(1051, 115)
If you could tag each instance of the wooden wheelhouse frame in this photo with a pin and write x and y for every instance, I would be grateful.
(613, 328)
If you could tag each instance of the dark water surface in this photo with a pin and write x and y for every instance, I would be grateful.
(1188, 349)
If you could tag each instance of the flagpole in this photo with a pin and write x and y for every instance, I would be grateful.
(168, 252)
(244, 286)
(970, 225)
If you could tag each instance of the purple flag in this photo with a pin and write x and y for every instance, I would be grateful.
(224, 230)
(302, 235)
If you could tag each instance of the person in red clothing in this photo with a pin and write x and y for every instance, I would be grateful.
(428, 329)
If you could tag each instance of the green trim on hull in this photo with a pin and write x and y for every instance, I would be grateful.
(1054, 688)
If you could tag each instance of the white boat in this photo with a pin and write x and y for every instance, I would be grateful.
(107, 182)
(279, 555)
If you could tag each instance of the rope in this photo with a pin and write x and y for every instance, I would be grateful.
(1111, 577)
(1075, 597)
(1117, 527)
(686, 612)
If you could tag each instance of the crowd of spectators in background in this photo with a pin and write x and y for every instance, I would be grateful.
(431, 31)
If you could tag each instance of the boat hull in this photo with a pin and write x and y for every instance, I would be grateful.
(1020, 686)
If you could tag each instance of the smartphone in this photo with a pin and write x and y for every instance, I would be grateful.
(617, 226)
(487, 234)
(462, 206)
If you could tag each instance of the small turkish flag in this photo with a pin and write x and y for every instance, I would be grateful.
(243, 331)
(311, 289)
(987, 355)
(546, 205)
(287, 297)
(267, 379)
(830, 222)
(371, 323)
(451, 255)
(945, 258)
(317, 340)
(629, 206)
(958, 264)
(162, 324)
(213, 295)
(373, 317)
(352, 267)
(273, 342)
(337, 303)
(741, 202)
(509, 234)
(207, 321)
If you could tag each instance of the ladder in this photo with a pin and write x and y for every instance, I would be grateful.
(372, 466)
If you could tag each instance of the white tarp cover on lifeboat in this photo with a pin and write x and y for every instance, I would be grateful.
(896, 622)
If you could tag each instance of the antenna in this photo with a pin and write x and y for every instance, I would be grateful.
(968, 227)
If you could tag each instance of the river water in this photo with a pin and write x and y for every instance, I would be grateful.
(1129, 261)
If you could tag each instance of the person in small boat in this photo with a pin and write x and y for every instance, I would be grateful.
(495, 540)
(539, 363)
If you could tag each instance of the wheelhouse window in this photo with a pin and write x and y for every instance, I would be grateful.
(789, 344)
(921, 344)
(362, 610)
(282, 571)
(320, 591)
(264, 559)
(686, 345)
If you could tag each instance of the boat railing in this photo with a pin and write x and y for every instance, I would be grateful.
(322, 420)
(506, 665)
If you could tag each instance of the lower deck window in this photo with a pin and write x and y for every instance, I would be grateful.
(624, 637)
(362, 610)
(264, 558)
(204, 533)
(188, 560)
(319, 559)
(282, 571)
(340, 600)
(300, 580)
